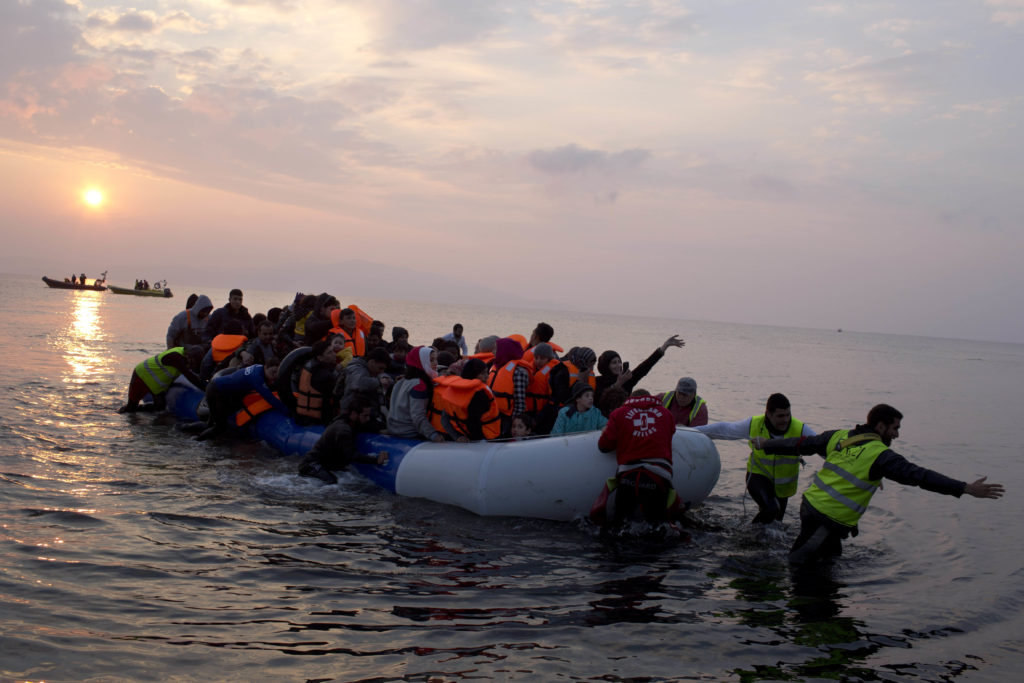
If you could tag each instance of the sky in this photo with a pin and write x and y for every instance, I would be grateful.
(853, 165)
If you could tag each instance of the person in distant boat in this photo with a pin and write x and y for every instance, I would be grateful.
(614, 373)
(232, 310)
(187, 327)
(687, 408)
(155, 375)
(456, 336)
(856, 462)
(336, 447)
(82, 278)
(580, 415)
(771, 479)
(225, 394)
(640, 432)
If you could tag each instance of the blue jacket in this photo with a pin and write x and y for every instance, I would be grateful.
(243, 381)
(571, 420)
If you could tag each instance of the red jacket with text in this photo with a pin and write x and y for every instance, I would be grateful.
(640, 431)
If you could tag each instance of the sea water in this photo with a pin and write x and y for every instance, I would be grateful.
(129, 551)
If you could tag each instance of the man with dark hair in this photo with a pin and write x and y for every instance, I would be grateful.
(232, 310)
(542, 333)
(336, 447)
(856, 461)
(456, 336)
(771, 480)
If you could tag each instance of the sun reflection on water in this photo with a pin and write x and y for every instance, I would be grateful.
(83, 341)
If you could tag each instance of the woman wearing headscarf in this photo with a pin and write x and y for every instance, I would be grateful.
(410, 397)
(614, 374)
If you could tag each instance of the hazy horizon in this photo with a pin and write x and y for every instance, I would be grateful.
(834, 165)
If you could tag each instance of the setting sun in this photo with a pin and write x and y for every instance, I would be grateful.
(93, 197)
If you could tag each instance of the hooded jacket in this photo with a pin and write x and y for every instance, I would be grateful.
(186, 327)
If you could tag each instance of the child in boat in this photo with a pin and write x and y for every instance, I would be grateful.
(580, 415)
(521, 427)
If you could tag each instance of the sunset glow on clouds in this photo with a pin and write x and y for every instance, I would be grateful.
(840, 164)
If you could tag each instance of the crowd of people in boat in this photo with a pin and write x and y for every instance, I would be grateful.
(80, 279)
(332, 365)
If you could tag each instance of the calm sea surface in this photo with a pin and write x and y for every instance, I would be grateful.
(130, 552)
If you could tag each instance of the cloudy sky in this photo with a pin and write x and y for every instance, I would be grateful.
(843, 164)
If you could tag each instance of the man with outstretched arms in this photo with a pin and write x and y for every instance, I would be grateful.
(856, 461)
(771, 479)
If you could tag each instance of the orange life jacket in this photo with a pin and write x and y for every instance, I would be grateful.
(574, 375)
(363, 319)
(252, 405)
(436, 408)
(523, 341)
(223, 345)
(502, 384)
(309, 402)
(455, 397)
(538, 394)
(355, 341)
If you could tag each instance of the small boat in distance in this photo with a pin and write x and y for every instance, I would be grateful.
(159, 289)
(96, 286)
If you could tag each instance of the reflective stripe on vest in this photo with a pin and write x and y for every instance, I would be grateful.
(783, 470)
(157, 376)
(538, 393)
(574, 374)
(842, 489)
(503, 385)
(670, 396)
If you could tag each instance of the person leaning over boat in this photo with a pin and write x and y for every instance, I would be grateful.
(580, 415)
(609, 364)
(232, 310)
(336, 447)
(856, 461)
(225, 394)
(408, 413)
(771, 479)
(687, 408)
(187, 327)
(155, 376)
(640, 432)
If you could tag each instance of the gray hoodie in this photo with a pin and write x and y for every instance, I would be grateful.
(177, 331)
